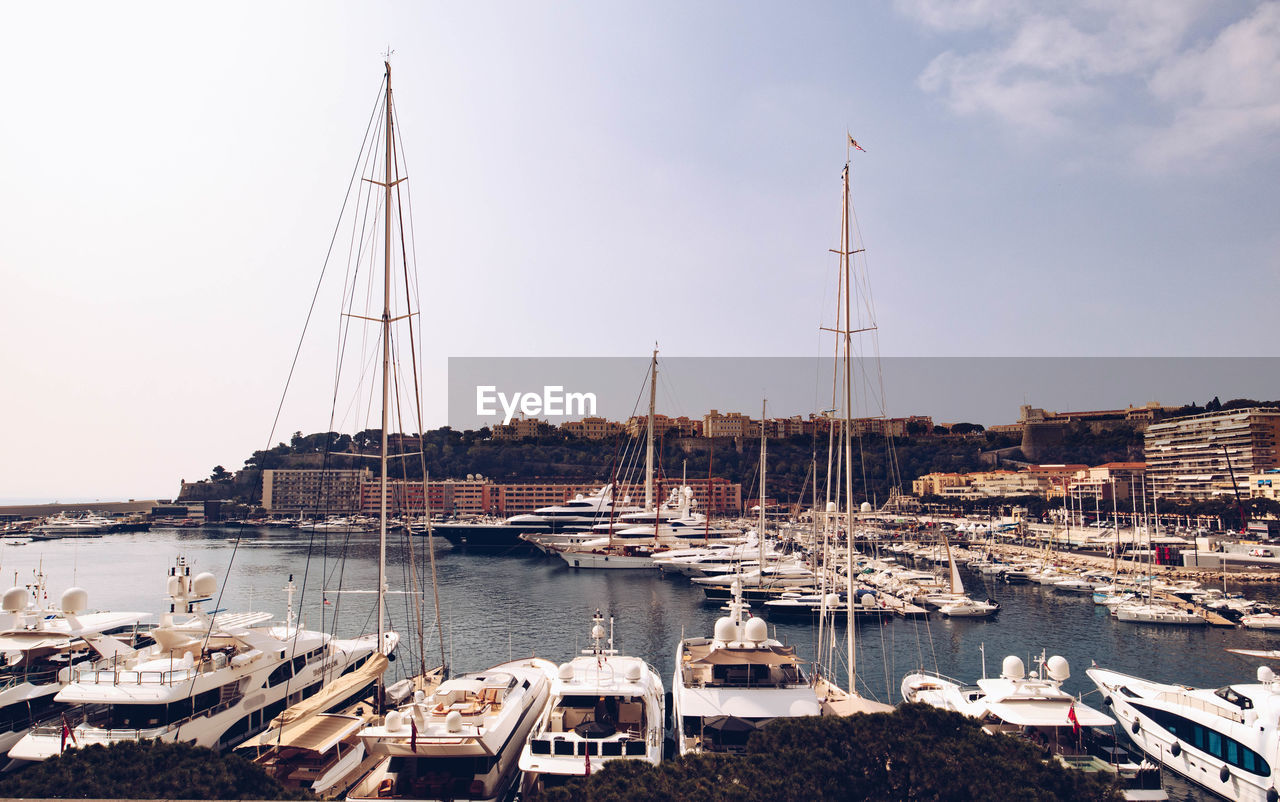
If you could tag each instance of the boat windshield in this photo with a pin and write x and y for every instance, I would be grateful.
(1235, 697)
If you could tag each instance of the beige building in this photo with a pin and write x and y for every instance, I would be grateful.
(314, 491)
(520, 428)
(1264, 485)
(1188, 457)
(729, 424)
(933, 484)
(592, 428)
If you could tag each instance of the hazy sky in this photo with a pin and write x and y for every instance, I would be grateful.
(1075, 178)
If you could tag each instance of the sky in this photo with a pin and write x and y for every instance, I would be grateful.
(1039, 179)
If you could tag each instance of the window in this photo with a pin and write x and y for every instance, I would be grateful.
(1208, 740)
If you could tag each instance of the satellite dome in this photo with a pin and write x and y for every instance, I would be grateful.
(866, 506)
(757, 630)
(725, 630)
(14, 600)
(419, 696)
(688, 492)
(174, 586)
(74, 601)
(597, 631)
(578, 497)
(833, 599)
(566, 671)
(205, 584)
(633, 672)
(831, 506)
(1012, 668)
(395, 721)
(453, 721)
(1265, 674)
(1058, 668)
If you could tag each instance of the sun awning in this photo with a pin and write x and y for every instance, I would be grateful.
(335, 691)
(756, 657)
(748, 702)
(318, 733)
(1043, 713)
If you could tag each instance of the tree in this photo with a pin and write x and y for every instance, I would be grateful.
(220, 474)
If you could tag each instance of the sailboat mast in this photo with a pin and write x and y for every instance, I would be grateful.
(764, 406)
(846, 247)
(648, 448)
(386, 377)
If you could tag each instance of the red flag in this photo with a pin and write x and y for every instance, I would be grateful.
(1071, 716)
(854, 142)
(67, 732)
(586, 745)
(413, 733)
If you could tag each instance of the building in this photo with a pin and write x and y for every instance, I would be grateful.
(1193, 457)
(1010, 483)
(1098, 484)
(933, 484)
(313, 491)
(592, 428)
(1264, 485)
(481, 496)
(520, 428)
(729, 424)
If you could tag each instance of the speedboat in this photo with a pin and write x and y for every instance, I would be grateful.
(1034, 707)
(1223, 740)
(603, 707)
(462, 741)
(970, 608)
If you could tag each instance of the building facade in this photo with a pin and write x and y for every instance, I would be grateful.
(1194, 457)
(313, 491)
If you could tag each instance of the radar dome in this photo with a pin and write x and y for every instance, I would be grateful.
(1265, 674)
(597, 631)
(205, 584)
(74, 601)
(453, 721)
(833, 599)
(419, 696)
(1058, 668)
(725, 630)
(868, 600)
(633, 672)
(578, 497)
(14, 600)
(866, 506)
(688, 492)
(174, 586)
(395, 721)
(566, 671)
(831, 506)
(471, 477)
(757, 630)
(1012, 668)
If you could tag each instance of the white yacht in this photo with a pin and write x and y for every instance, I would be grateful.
(727, 686)
(603, 707)
(462, 741)
(39, 644)
(1226, 740)
(207, 680)
(579, 514)
(63, 525)
(1137, 611)
(1034, 706)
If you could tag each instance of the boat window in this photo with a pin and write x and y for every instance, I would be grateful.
(564, 747)
(611, 748)
(1208, 740)
(540, 746)
(282, 673)
(1235, 697)
(635, 747)
(1129, 693)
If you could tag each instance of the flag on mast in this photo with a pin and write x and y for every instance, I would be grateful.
(854, 142)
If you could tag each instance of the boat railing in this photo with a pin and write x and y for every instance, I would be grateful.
(36, 677)
(118, 676)
(1203, 705)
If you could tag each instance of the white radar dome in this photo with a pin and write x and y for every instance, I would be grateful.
(833, 599)
(866, 506)
(757, 630)
(597, 631)
(174, 586)
(633, 672)
(1058, 668)
(453, 721)
(205, 584)
(725, 630)
(688, 492)
(395, 721)
(831, 506)
(566, 671)
(74, 601)
(14, 600)
(1012, 668)
(1266, 675)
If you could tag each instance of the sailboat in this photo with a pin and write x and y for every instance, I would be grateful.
(318, 744)
(960, 605)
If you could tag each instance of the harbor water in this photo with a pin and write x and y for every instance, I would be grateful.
(495, 606)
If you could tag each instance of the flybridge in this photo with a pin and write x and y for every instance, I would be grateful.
(553, 400)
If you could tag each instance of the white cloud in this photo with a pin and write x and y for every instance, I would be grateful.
(1110, 69)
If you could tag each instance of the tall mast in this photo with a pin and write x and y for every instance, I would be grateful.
(648, 449)
(846, 248)
(386, 377)
(764, 406)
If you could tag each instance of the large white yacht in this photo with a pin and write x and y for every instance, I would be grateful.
(727, 686)
(63, 525)
(603, 707)
(207, 680)
(576, 515)
(1226, 740)
(462, 741)
(1034, 706)
(39, 644)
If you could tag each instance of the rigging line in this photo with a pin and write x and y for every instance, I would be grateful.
(315, 295)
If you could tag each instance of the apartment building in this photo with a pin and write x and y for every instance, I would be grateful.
(1193, 457)
(313, 491)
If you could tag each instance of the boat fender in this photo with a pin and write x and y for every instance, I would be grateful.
(1273, 795)
(1106, 701)
(1137, 725)
(1176, 749)
(1225, 774)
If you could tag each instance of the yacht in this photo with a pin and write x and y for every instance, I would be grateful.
(1136, 611)
(39, 645)
(1225, 741)
(603, 707)
(63, 525)
(727, 686)
(462, 741)
(211, 680)
(580, 514)
(1034, 707)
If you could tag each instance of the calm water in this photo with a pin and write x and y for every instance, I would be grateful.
(497, 606)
